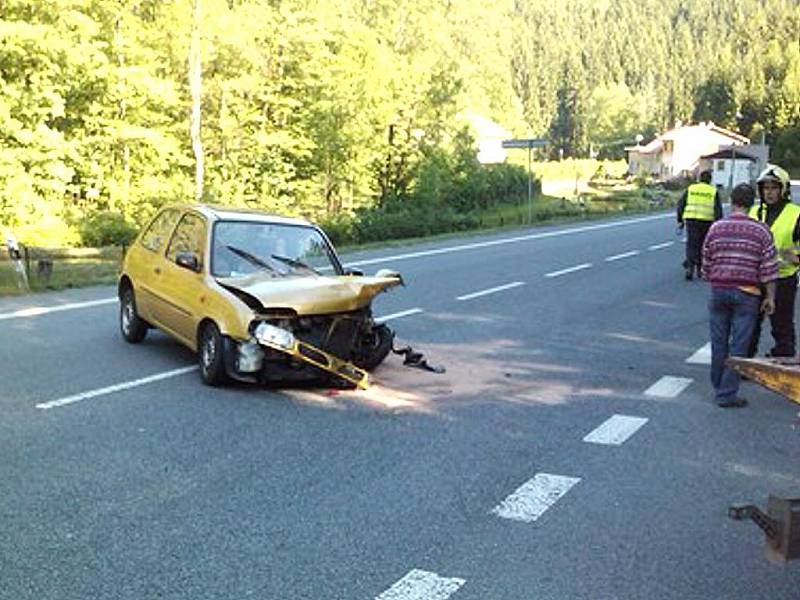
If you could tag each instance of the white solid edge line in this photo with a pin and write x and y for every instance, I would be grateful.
(499, 288)
(397, 315)
(702, 356)
(534, 497)
(569, 270)
(511, 240)
(659, 246)
(668, 387)
(615, 430)
(422, 585)
(114, 388)
(621, 256)
(35, 311)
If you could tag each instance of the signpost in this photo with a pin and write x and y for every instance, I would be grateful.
(530, 144)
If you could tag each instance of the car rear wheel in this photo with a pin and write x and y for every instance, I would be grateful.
(212, 363)
(132, 326)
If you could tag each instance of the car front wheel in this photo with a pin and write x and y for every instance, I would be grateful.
(375, 347)
(132, 326)
(210, 351)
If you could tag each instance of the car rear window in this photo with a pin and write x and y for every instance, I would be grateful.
(159, 230)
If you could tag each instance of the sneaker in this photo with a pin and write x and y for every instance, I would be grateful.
(735, 403)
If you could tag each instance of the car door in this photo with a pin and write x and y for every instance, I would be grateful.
(145, 262)
(184, 289)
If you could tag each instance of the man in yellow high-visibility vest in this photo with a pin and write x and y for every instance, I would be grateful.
(783, 218)
(698, 207)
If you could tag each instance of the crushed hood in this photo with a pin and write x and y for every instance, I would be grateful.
(311, 295)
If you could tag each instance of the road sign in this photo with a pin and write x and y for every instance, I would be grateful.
(530, 143)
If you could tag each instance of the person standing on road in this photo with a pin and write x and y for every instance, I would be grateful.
(698, 207)
(740, 262)
(783, 218)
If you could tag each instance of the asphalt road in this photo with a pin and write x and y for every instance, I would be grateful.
(474, 484)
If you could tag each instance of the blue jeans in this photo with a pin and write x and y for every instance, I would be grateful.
(733, 316)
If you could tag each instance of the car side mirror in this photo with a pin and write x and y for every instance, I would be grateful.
(354, 272)
(188, 260)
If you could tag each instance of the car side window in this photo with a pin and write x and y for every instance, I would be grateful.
(158, 232)
(189, 236)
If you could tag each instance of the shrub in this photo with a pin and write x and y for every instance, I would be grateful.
(340, 228)
(107, 228)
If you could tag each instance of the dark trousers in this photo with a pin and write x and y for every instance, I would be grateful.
(782, 320)
(695, 236)
(733, 316)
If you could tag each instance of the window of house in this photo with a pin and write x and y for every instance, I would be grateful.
(720, 165)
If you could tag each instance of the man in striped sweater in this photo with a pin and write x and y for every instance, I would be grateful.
(740, 262)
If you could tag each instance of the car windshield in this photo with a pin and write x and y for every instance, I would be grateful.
(244, 247)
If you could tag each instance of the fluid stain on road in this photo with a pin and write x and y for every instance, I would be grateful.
(472, 374)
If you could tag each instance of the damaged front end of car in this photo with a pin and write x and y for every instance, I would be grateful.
(294, 339)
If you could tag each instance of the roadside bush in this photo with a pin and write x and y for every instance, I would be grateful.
(107, 228)
(676, 183)
(380, 225)
(48, 231)
(340, 228)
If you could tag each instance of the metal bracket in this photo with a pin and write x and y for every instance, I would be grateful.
(324, 360)
(780, 524)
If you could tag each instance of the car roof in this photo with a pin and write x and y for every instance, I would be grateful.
(228, 213)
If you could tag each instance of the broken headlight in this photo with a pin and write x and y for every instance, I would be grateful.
(271, 335)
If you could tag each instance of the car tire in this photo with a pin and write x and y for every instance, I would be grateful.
(210, 353)
(378, 347)
(131, 325)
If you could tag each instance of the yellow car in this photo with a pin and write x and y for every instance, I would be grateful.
(260, 298)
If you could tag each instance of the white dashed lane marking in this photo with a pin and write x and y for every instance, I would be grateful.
(569, 270)
(422, 585)
(702, 356)
(114, 388)
(660, 246)
(616, 430)
(493, 290)
(397, 315)
(668, 387)
(621, 256)
(534, 497)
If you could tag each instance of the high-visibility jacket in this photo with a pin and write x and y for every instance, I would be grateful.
(700, 202)
(782, 233)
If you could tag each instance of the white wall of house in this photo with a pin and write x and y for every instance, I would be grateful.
(689, 144)
(489, 137)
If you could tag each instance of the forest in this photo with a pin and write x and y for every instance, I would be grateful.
(334, 110)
